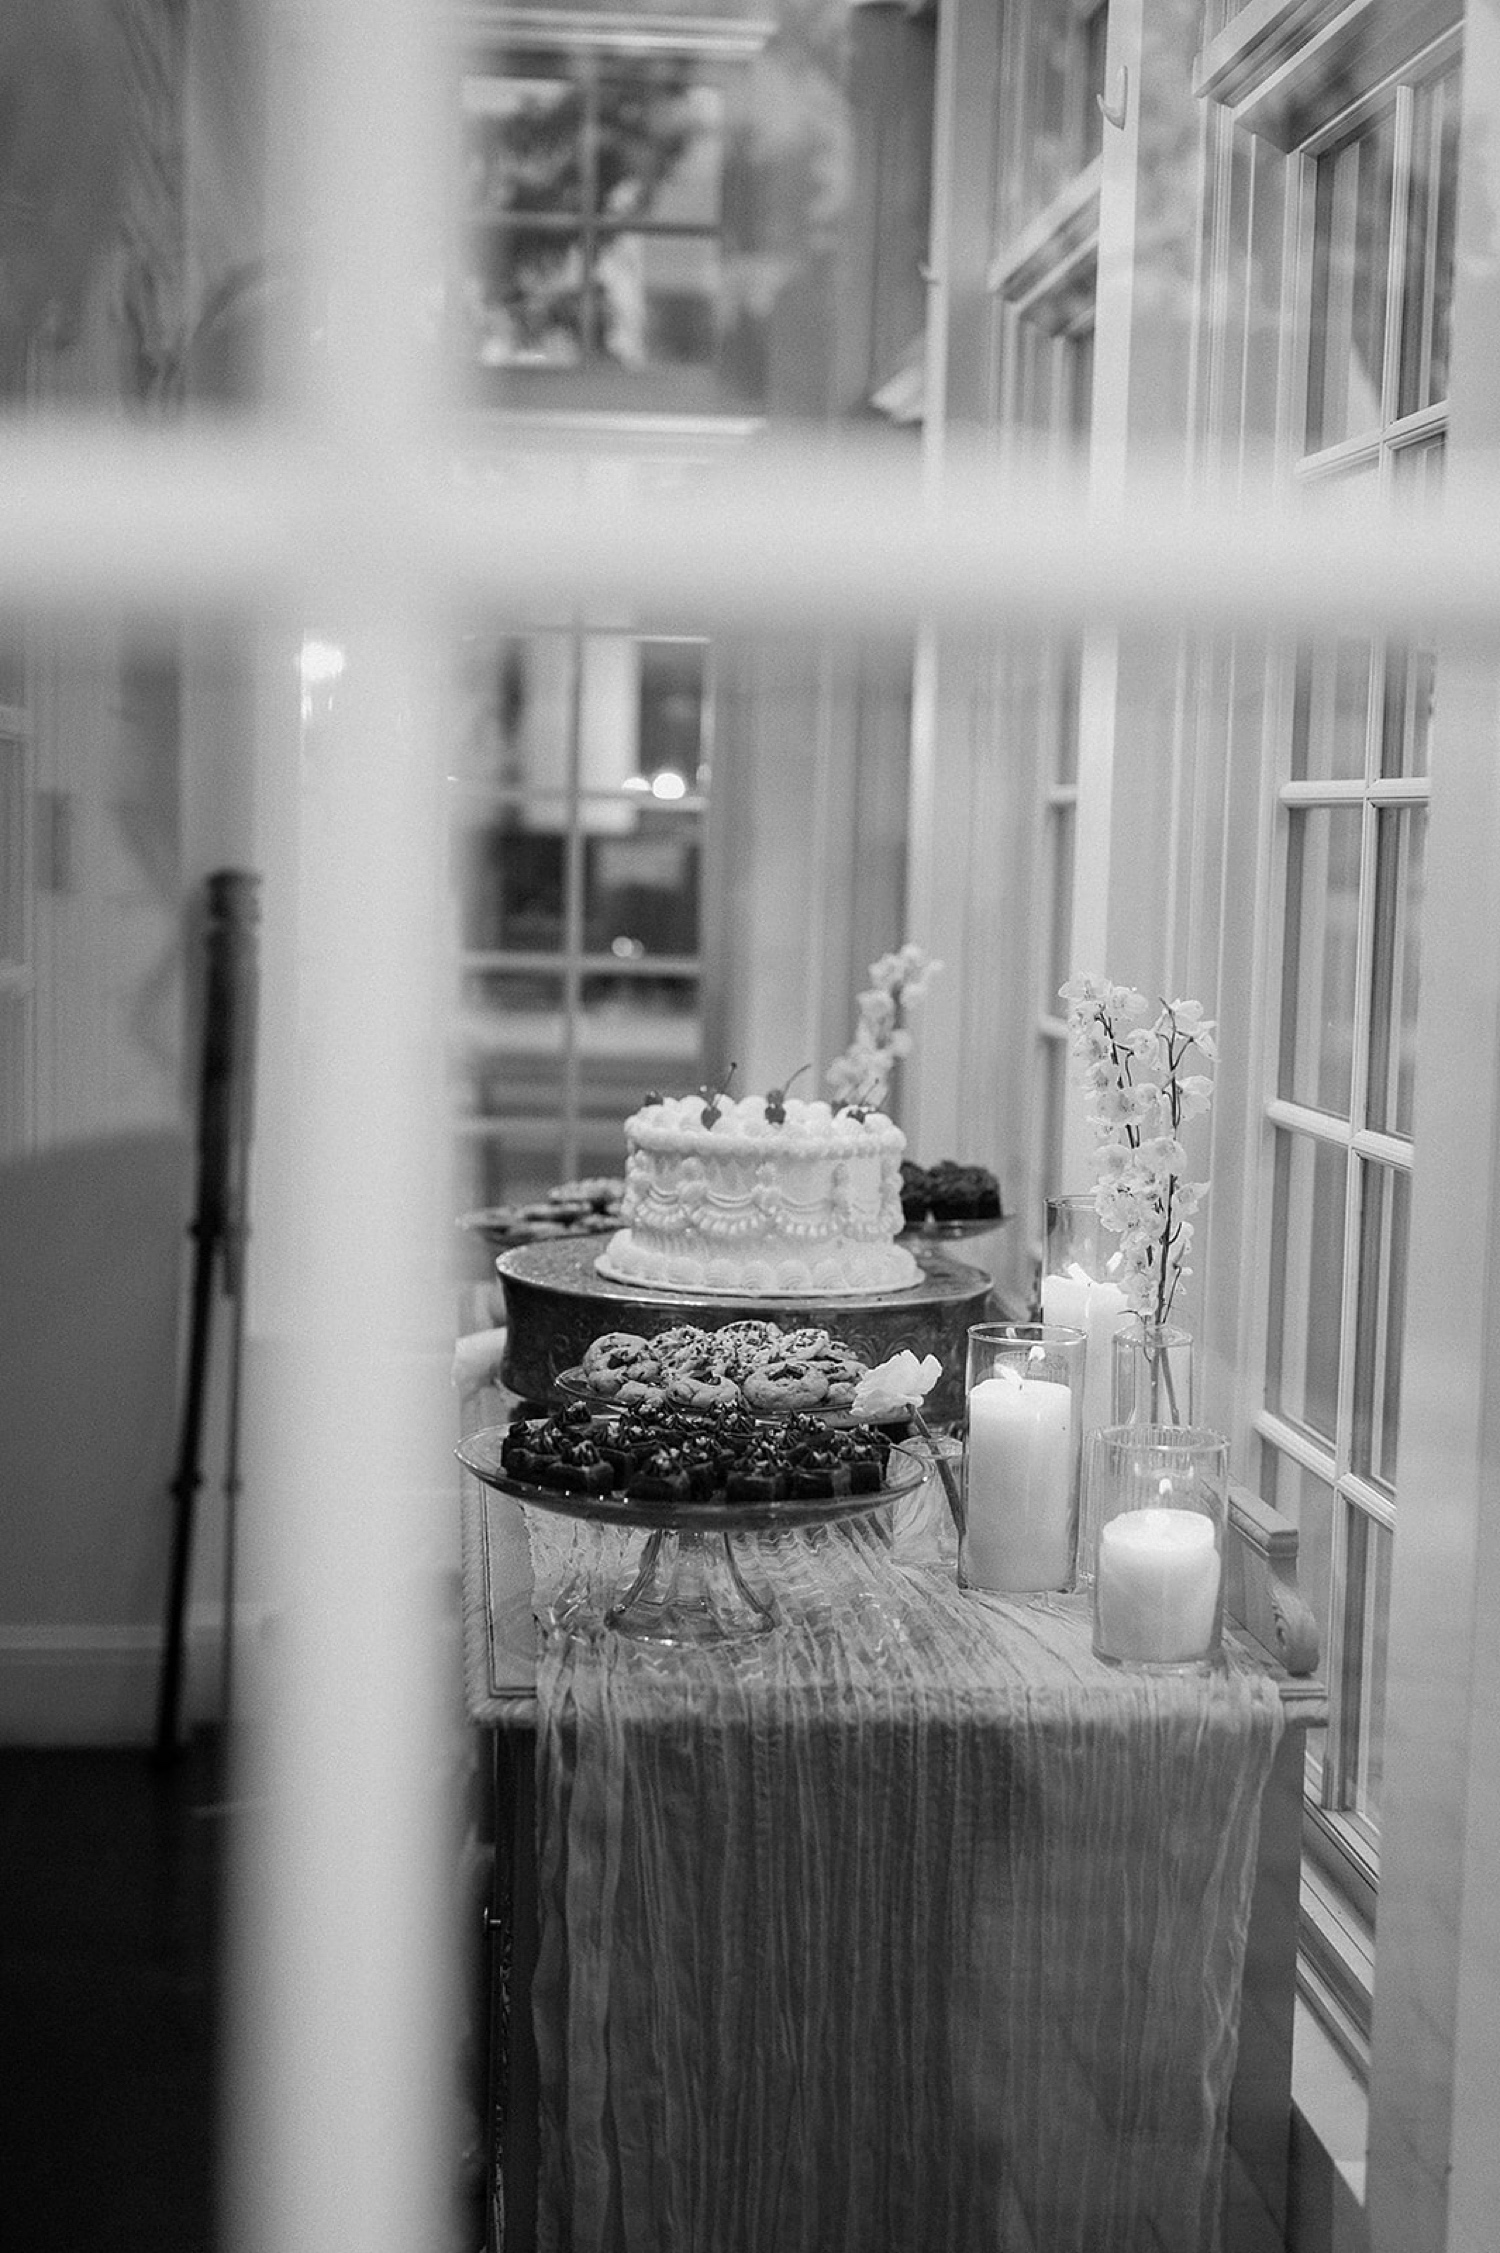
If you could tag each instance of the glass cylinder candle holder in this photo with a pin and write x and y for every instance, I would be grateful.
(1162, 1494)
(1079, 1293)
(923, 1524)
(1152, 1375)
(1022, 1431)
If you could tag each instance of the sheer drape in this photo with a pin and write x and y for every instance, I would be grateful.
(909, 1926)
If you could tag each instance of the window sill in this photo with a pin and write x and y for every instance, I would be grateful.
(1336, 1967)
(1330, 2127)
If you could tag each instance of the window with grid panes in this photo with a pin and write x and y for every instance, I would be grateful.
(579, 793)
(602, 227)
(1378, 195)
(1069, 68)
(1047, 388)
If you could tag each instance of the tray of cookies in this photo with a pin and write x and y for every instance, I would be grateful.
(754, 1365)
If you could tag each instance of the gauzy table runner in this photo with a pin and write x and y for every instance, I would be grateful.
(910, 1925)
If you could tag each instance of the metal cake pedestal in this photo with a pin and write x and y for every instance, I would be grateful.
(556, 1304)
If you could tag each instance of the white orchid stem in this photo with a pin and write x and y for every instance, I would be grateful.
(945, 1470)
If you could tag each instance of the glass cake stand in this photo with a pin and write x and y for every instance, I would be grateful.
(688, 1587)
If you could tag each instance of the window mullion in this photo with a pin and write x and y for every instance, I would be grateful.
(573, 924)
(1395, 296)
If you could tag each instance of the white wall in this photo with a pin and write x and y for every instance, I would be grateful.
(149, 755)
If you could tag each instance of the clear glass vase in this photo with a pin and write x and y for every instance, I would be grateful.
(1153, 1374)
(924, 1525)
(1079, 1291)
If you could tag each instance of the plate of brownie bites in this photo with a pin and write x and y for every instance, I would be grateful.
(721, 1470)
(949, 1201)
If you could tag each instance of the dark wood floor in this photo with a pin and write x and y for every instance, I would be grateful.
(109, 1917)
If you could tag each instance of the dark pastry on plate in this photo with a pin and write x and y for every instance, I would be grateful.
(916, 1193)
(820, 1472)
(758, 1476)
(958, 1192)
(580, 1468)
(660, 1478)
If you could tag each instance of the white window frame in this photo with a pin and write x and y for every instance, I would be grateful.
(332, 512)
(1267, 81)
(1047, 279)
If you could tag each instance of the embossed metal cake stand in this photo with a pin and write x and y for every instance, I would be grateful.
(556, 1304)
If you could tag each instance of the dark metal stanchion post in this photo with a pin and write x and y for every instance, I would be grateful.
(218, 1229)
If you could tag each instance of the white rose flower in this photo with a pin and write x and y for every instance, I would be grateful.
(902, 1382)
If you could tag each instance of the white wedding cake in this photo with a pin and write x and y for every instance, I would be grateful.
(759, 1198)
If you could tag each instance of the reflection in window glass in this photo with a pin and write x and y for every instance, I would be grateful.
(1400, 833)
(514, 710)
(673, 710)
(513, 878)
(1319, 956)
(580, 791)
(1384, 1226)
(594, 195)
(14, 1035)
(641, 891)
(1061, 821)
(1430, 227)
(14, 888)
(1331, 715)
(651, 1019)
(1350, 285)
(1070, 669)
(1307, 1267)
(1367, 1612)
(12, 664)
(523, 145)
(1299, 1494)
(1409, 681)
(533, 994)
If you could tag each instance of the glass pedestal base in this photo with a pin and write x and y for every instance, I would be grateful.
(689, 1590)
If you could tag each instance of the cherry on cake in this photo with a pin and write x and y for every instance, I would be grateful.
(722, 1198)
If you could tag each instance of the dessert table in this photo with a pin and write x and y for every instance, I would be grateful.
(908, 1925)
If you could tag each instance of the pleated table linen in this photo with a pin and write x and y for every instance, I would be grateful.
(910, 1925)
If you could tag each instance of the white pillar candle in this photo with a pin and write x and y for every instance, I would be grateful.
(1019, 1505)
(1157, 1586)
(1076, 1299)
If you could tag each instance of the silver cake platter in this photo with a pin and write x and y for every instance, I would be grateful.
(557, 1303)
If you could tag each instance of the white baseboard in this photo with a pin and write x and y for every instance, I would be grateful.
(98, 1685)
